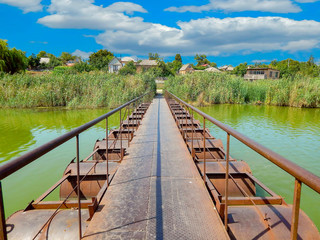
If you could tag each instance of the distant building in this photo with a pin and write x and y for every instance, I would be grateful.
(44, 60)
(226, 68)
(212, 69)
(145, 65)
(115, 65)
(126, 60)
(186, 68)
(261, 73)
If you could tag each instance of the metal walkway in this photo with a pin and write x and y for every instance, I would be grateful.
(157, 192)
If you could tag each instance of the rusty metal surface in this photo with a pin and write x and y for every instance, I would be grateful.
(245, 223)
(157, 191)
(295, 170)
(24, 225)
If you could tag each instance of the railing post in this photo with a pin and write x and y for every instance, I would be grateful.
(78, 187)
(192, 150)
(204, 150)
(3, 229)
(120, 132)
(227, 184)
(186, 131)
(295, 209)
(128, 129)
(107, 149)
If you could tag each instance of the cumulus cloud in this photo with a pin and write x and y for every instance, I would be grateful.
(275, 6)
(81, 14)
(214, 36)
(25, 5)
(306, 1)
(82, 54)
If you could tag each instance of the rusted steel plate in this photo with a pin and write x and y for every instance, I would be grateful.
(25, 225)
(246, 223)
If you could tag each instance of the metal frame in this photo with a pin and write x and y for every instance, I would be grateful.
(20, 162)
(300, 174)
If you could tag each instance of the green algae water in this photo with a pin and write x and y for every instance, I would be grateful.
(291, 132)
(22, 130)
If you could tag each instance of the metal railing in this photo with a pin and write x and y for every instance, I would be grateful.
(20, 162)
(301, 175)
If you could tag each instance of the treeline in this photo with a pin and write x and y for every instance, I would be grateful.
(205, 88)
(287, 68)
(84, 90)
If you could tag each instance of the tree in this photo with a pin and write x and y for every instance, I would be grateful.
(100, 59)
(154, 56)
(54, 61)
(178, 58)
(65, 57)
(241, 69)
(33, 61)
(128, 69)
(11, 60)
(202, 60)
(42, 54)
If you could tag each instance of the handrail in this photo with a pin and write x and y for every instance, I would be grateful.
(18, 163)
(293, 169)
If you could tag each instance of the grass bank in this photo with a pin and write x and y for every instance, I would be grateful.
(83, 90)
(213, 88)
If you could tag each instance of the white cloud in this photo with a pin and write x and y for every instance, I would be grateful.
(275, 6)
(82, 54)
(213, 36)
(84, 14)
(25, 5)
(306, 1)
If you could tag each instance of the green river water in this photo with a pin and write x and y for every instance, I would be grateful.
(291, 132)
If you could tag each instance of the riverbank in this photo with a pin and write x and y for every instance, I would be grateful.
(83, 90)
(202, 89)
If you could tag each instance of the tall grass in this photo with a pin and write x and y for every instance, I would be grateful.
(209, 88)
(85, 90)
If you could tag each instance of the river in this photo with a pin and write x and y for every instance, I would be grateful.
(291, 132)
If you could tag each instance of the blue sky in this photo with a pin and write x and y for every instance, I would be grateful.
(227, 31)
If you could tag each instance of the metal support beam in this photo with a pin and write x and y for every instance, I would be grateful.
(227, 183)
(78, 187)
(3, 230)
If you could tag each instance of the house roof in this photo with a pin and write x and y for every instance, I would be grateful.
(184, 67)
(115, 61)
(127, 59)
(212, 69)
(226, 68)
(148, 63)
(263, 69)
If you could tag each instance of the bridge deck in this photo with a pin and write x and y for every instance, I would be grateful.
(157, 192)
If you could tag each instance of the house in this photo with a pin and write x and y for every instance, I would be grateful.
(261, 73)
(115, 65)
(145, 65)
(212, 69)
(126, 60)
(44, 60)
(226, 68)
(186, 68)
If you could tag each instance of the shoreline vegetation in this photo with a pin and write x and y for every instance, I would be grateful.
(82, 90)
(202, 89)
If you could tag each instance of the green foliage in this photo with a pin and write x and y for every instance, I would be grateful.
(63, 70)
(94, 89)
(33, 62)
(82, 67)
(162, 70)
(209, 88)
(42, 54)
(241, 69)
(154, 56)
(174, 66)
(65, 57)
(178, 58)
(100, 60)
(128, 69)
(11, 60)
(202, 60)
